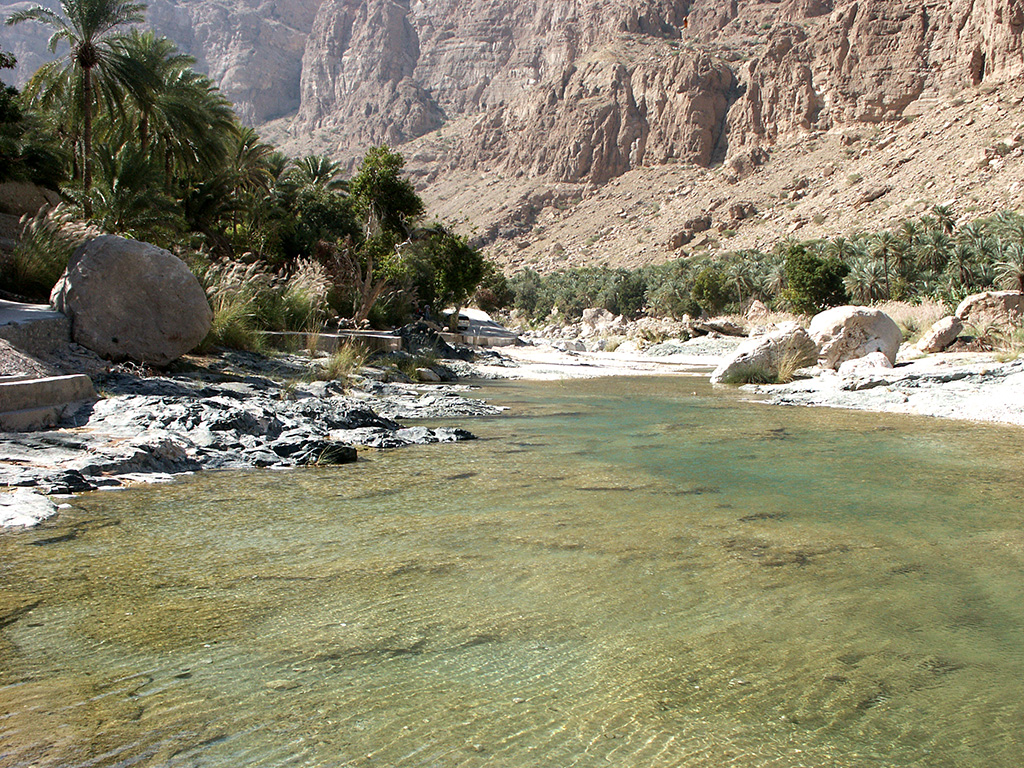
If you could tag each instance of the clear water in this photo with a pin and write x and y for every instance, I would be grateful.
(626, 572)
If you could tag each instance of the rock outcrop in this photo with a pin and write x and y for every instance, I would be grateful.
(129, 300)
(22, 198)
(849, 333)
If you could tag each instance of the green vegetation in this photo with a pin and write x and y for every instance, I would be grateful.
(47, 241)
(89, 28)
(930, 260)
(813, 283)
(343, 363)
(139, 144)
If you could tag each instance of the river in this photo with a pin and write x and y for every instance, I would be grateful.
(622, 571)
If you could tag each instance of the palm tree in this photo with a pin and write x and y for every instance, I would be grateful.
(318, 171)
(959, 268)
(946, 217)
(127, 197)
(183, 114)
(194, 124)
(933, 250)
(976, 237)
(1010, 226)
(88, 27)
(1010, 269)
(883, 245)
(161, 58)
(865, 281)
(840, 248)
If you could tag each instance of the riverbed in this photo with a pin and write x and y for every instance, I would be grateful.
(628, 571)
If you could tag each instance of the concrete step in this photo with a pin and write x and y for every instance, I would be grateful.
(27, 404)
(30, 419)
(330, 342)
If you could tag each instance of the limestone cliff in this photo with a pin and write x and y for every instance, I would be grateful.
(582, 90)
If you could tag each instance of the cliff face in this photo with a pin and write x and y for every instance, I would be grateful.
(583, 90)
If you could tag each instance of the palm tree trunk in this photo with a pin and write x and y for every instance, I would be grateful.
(87, 139)
(168, 168)
(885, 266)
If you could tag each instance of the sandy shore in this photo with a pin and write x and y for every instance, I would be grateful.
(972, 387)
(542, 362)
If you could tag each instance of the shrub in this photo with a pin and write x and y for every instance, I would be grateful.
(813, 283)
(709, 290)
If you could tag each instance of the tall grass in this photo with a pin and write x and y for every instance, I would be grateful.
(40, 258)
(340, 366)
(248, 299)
(914, 320)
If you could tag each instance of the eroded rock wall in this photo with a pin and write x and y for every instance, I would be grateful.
(583, 90)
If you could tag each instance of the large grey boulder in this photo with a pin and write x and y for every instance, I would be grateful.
(761, 359)
(998, 308)
(23, 198)
(130, 300)
(847, 333)
(940, 335)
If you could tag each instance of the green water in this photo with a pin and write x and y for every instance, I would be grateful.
(627, 572)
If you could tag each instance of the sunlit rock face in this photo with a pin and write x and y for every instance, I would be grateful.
(584, 90)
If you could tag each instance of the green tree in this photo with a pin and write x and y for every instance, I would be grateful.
(813, 283)
(709, 290)
(89, 28)
(28, 148)
(381, 196)
(450, 269)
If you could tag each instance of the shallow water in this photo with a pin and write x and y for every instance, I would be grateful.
(626, 572)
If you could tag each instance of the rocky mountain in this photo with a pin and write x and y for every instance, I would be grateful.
(580, 92)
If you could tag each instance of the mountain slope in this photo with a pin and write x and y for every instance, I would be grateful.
(521, 110)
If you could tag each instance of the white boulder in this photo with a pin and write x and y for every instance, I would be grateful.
(24, 507)
(847, 333)
(761, 359)
(940, 335)
(870, 363)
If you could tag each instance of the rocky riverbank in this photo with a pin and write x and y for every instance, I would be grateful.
(970, 387)
(232, 412)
